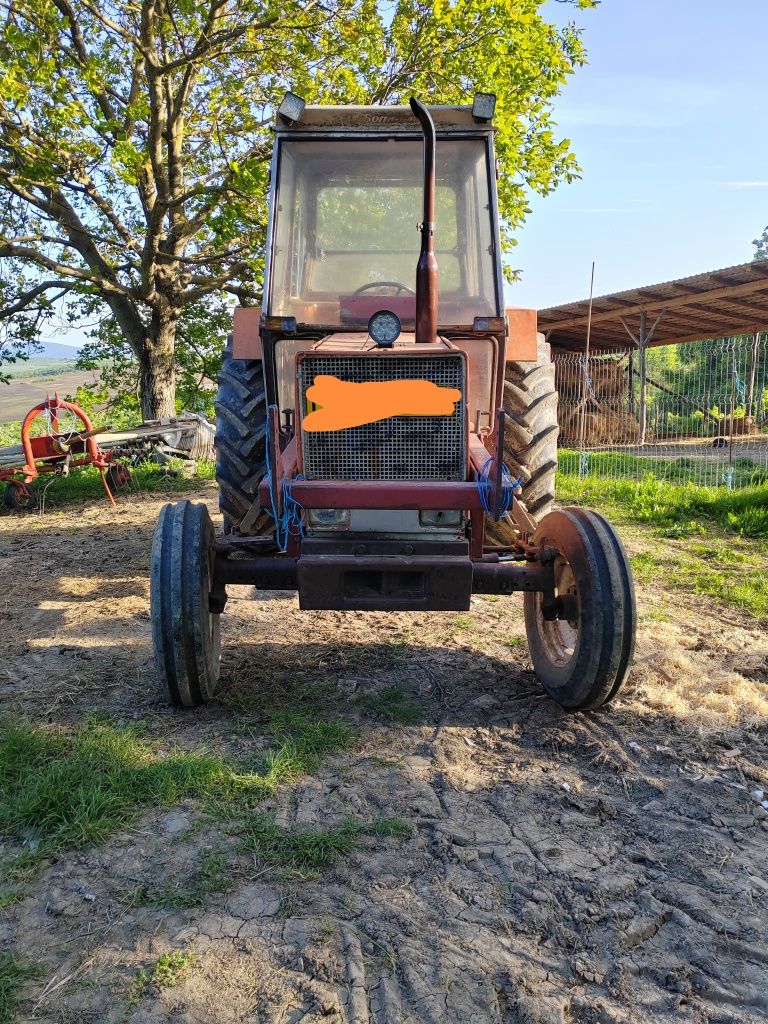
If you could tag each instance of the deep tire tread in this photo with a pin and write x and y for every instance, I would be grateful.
(241, 418)
(530, 436)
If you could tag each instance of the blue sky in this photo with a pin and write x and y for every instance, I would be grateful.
(669, 122)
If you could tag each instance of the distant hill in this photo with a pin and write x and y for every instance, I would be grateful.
(53, 350)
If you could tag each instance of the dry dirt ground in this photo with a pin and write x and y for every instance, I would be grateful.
(607, 868)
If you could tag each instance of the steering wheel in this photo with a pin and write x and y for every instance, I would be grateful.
(399, 288)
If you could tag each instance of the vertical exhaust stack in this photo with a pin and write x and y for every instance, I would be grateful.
(426, 268)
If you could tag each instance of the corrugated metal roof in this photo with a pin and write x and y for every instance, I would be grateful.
(717, 304)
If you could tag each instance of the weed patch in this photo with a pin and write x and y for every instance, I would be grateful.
(392, 704)
(306, 851)
(644, 567)
(463, 623)
(732, 576)
(13, 973)
(170, 967)
(215, 876)
(166, 973)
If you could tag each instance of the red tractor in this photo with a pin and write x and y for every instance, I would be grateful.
(385, 436)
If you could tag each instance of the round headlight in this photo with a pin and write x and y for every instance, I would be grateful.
(384, 328)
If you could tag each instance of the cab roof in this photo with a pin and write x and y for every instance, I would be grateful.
(387, 120)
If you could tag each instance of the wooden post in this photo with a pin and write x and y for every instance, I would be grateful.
(641, 339)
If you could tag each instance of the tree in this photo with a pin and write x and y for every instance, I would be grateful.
(761, 246)
(134, 139)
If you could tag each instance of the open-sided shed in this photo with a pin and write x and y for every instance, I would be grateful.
(717, 304)
(724, 302)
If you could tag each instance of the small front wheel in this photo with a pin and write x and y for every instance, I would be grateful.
(582, 657)
(17, 497)
(184, 630)
(118, 475)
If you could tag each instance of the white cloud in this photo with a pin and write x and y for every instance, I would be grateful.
(742, 184)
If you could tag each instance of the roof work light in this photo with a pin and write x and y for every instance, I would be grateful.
(291, 108)
(483, 106)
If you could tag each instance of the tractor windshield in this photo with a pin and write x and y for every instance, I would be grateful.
(345, 241)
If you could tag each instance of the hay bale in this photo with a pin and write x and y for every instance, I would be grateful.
(738, 425)
(604, 426)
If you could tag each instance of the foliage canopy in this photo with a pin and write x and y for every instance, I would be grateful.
(134, 139)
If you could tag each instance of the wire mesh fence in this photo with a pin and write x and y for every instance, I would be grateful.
(689, 413)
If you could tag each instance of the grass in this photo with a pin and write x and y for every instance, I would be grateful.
(70, 787)
(624, 466)
(305, 851)
(166, 973)
(392, 705)
(675, 506)
(13, 973)
(716, 561)
(732, 576)
(85, 484)
(215, 876)
(10, 897)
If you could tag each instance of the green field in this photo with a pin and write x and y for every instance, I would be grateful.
(33, 380)
(38, 366)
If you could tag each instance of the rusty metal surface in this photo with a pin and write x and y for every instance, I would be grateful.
(426, 268)
(508, 577)
(372, 546)
(395, 583)
(347, 120)
(461, 496)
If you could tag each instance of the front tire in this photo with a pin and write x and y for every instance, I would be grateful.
(184, 630)
(582, 658)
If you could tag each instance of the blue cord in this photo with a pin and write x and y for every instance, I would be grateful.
(290, 518)
(508, 487)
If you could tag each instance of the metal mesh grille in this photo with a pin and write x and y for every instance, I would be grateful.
(397, 448)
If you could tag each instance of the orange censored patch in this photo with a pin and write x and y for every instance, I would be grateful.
(345, 404)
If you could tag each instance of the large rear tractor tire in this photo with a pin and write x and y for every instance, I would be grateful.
(184, 630)
(530, 437)
(241, 429)
(582, 657)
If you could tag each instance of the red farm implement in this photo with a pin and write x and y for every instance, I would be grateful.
(68, 440)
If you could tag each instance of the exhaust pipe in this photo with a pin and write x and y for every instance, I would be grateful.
(426, 268)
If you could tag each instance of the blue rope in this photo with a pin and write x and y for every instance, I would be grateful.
(508, 487)
(290, 519)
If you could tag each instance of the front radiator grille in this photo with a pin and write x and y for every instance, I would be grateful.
(397, 448)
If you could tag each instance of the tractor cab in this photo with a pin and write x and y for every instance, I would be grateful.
(348, 198)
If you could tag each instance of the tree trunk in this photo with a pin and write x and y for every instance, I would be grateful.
(157, 374)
